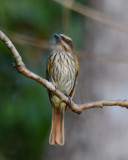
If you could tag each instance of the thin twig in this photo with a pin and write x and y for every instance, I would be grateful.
(92, 14)
(77, 108)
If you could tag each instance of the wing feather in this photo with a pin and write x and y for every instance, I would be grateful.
(77, 67)
(47, 75)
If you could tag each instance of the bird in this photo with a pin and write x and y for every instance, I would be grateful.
(62, 72)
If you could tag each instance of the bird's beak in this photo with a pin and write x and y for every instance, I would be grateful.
(58, 37)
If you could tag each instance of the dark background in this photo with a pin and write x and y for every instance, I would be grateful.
(25, 111)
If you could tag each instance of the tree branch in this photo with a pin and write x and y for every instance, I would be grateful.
(77, 108)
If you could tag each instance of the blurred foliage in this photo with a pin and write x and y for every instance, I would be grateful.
(25, 111)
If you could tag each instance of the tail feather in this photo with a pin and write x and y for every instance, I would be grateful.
(51, 137)
(57, 127)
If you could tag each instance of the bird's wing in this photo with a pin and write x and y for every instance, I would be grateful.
(76, 74)
(47, 68)
(47, 74)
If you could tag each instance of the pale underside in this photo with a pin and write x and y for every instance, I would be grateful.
(62, 75)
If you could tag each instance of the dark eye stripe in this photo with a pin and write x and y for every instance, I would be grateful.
(67, 40)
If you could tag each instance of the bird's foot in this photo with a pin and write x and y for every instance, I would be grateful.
(70, 100)
(56, 87)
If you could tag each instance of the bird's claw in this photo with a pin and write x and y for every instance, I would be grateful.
(70, 100)
(56, 87)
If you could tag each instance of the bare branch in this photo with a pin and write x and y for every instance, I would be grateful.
(21, 68)
(99, 104)
(77, 108)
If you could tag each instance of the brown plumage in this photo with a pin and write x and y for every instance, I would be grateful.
(62, 71)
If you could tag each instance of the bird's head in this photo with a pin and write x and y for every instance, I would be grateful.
(65, 41)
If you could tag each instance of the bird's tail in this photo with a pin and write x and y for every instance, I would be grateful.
(57, 127)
